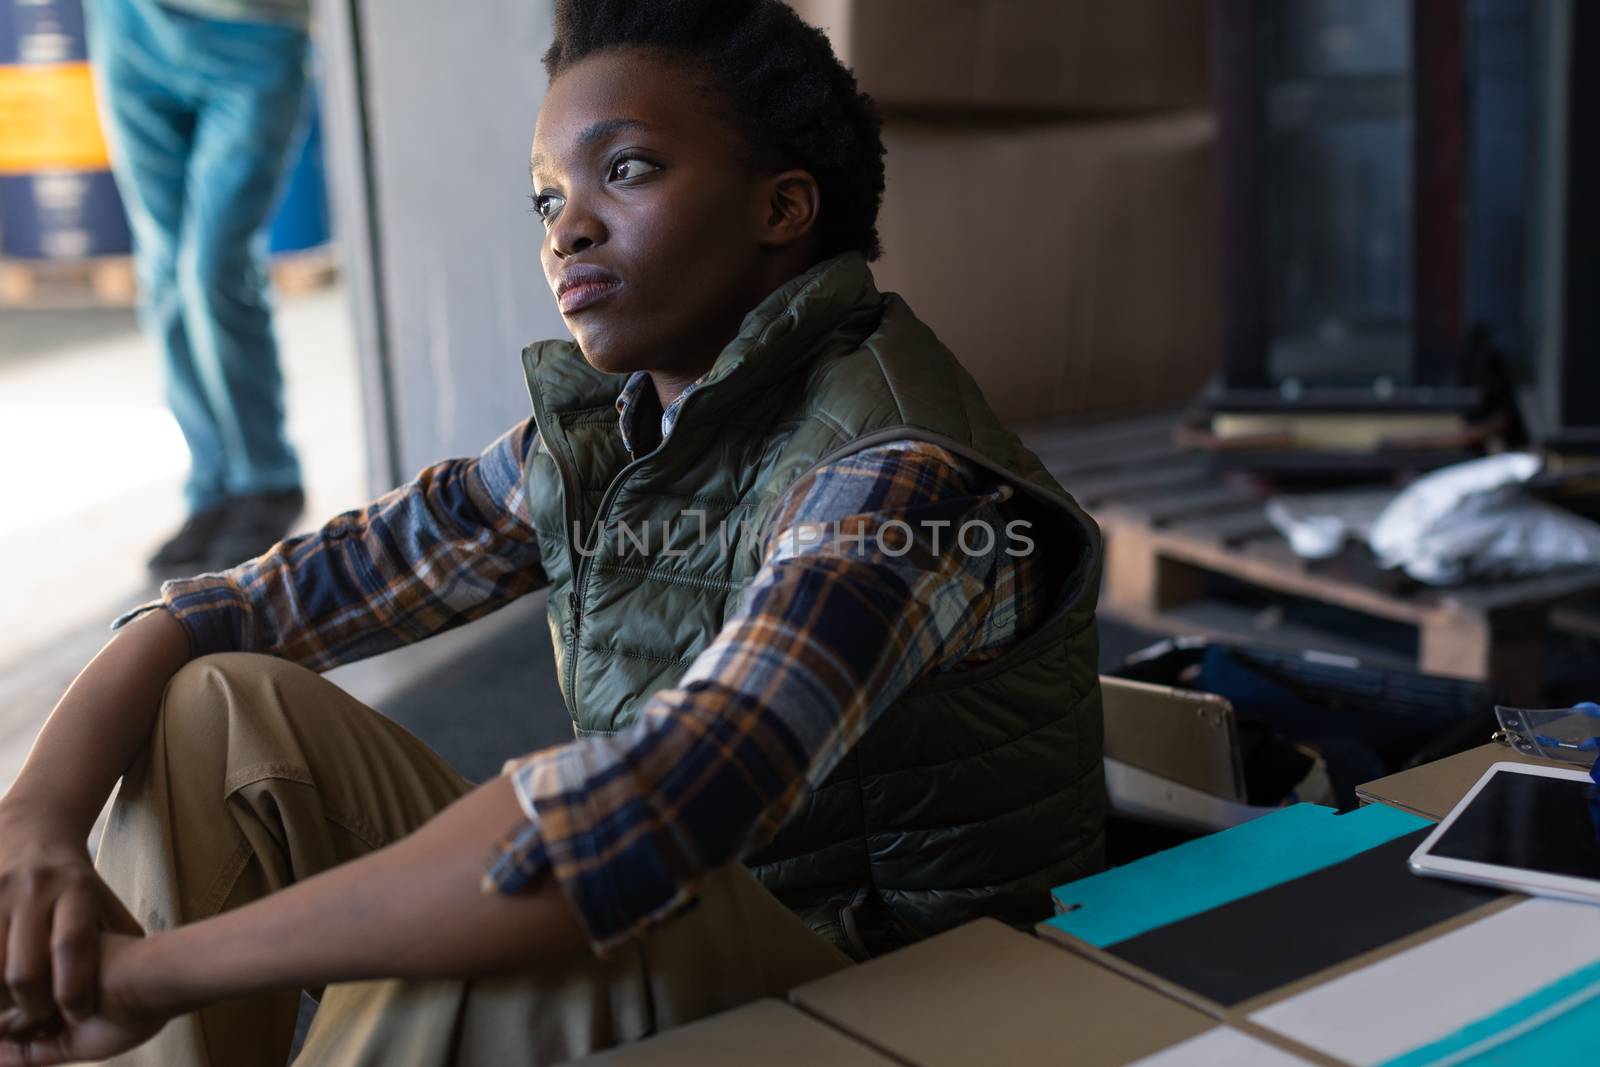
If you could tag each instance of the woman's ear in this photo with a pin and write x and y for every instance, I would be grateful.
(789, 202)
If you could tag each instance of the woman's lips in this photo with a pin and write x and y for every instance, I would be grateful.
(583, 294)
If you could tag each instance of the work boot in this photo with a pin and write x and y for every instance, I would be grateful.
(190, 547)
(254, 523)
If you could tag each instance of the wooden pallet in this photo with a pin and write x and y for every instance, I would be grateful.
(1173, 527)
(294, 273)
(108, 281)
(105, 280)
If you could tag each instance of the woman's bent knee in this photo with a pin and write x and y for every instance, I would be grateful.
(208, 691)
(208, 679)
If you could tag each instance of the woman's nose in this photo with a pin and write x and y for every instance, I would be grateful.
(575, 230)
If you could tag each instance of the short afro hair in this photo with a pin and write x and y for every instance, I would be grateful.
(791, 99)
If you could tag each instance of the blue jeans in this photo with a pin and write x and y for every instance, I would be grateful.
(203, 115)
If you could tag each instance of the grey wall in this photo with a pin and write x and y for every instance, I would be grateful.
(431, 110)
(428, 110)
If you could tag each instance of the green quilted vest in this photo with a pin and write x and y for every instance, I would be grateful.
(978, 789)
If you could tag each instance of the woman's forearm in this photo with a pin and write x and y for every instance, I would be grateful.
(412, 910)
(98, 726)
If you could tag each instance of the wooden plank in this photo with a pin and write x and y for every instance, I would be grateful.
(1125, 488)
(1140, 580)
(99, 281)
(1220, 621)
(1228, 527)
(1198, 503)
(1506, 649)
(1356, 566)
(1266, 566)
(1545, 589)
(1171, 524)
(1575, 620)
(1160, 581)
(1271, 549)
(303, 272)
(109, 281)
(1069, 461)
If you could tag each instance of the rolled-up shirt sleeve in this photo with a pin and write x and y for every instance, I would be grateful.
(448, 547)
(831, 631)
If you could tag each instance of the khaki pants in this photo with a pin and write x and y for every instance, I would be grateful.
(259, 773)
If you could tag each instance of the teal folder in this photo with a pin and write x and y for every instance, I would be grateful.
(1200, 875)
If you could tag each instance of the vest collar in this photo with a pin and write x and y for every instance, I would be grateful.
(786, 326)
(637, 399)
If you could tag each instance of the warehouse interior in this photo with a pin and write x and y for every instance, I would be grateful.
(1292, 299)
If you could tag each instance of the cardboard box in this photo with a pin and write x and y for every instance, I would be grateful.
(1307, 925)
(766, 1032)
(1063, 56)
(1307, 930)
(985, 993)
(1071, 267)
(1434, 788)
(1356, 962)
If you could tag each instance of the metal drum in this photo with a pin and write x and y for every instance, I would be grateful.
(301, 221)
(57, 197)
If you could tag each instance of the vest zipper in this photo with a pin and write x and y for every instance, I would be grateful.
(580, 566)
(580, 575)
(577, 561)
(575, 600)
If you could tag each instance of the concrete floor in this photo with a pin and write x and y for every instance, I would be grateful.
(80, 393)
(96, 476)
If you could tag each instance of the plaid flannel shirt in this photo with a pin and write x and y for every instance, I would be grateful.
(839, 621)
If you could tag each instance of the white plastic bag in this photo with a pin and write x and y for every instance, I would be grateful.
(1472, 520)
(1317, 525)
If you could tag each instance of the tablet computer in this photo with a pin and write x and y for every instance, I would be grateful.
(1526, 828)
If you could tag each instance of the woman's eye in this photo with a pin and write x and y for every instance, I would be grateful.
(546, 207)
(631, 167)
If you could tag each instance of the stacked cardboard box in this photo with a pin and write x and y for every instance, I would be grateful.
(1051, 208)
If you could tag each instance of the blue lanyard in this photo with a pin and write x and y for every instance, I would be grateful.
(1591, 710)
(1589, 744)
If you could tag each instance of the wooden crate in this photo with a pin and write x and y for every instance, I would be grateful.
(105, 280)
(1173, 526)
(294, 273)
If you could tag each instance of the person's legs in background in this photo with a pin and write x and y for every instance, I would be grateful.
(152, 118)
(254, 77)
(204, 114)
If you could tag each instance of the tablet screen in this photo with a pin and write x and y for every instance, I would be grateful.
(1531, 822)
